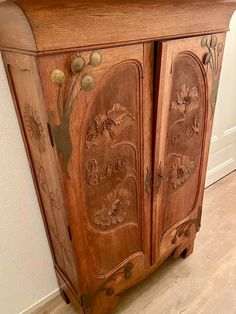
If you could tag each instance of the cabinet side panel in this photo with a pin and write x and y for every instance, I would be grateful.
(25, 86)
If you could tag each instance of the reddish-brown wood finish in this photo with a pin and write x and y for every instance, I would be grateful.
(59, 25)
(185, 98)
(117, 126)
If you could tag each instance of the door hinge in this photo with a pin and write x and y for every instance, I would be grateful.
(69, 233)
(50, 134)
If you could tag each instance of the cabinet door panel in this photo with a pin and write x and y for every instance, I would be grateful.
(184, 140)
(110, 172)
(189, 75)
(96, 122)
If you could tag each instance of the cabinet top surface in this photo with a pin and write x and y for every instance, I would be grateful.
(52, 25)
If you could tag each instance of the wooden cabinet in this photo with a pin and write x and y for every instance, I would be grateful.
(117, 133)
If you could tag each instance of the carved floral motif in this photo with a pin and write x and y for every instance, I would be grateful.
(41, 176)
(187, 99)
(35, 128)
(211, 58)
(107, 127)
(114, 208)
(108, 286)
(184, 135)
(96, 175)
(66, 103)
(181, 168)
(184, 230)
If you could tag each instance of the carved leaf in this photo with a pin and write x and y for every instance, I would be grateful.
(213, 41)
(117, 113)
(219, 48)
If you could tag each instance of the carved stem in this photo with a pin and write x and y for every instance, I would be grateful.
(70, 101)
(60, 102)
(178, 121)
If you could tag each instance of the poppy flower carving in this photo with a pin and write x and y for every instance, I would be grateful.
(114, 208)
(107, 127)
(180, 170)
(187, 99)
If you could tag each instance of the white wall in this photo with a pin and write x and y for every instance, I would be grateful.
(222, 159)
(26, 269)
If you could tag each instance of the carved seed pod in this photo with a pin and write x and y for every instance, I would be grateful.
(77, 65)
(213, 41)
(87, 83)
(58, 77)
(219, 48)
(207, 58)
(204, 42)
(95, 59)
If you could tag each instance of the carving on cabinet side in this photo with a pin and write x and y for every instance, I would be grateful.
(184, 229)
(181, 169)
(66, 103)
(41, 176)
(55, 207)
(211, 59)
(35, 128)
(96, 176)
(36, 133)
(40, 172)
(108, 285)
(107, 127)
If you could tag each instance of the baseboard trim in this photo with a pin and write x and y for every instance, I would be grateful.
(220, 171)
(41, 302)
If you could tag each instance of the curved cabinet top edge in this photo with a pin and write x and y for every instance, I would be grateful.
(15, 29)
(51, 25)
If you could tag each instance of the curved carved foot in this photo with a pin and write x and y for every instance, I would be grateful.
(184, 249)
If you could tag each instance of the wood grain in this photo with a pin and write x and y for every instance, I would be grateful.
(117, 129)
(183, 133)
(15, 30)
(117, 22)
(203, 283)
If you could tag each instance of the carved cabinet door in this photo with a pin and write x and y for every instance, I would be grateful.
(188, 72)
(97, 108)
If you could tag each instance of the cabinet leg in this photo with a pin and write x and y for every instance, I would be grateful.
(64, 296)
(103, 305)
(184, 249)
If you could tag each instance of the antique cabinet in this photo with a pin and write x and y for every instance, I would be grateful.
(115, 103)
